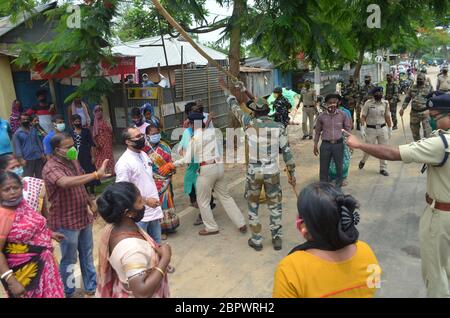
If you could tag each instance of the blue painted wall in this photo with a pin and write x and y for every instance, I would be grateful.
(26, 92)
(283, 79)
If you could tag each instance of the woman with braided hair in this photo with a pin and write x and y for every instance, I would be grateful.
(332, 262)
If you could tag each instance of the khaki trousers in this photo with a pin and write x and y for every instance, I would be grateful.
(374, 136)
(308, 114)
(212, 177)
(434, 234)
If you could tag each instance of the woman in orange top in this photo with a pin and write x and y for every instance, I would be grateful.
(332, 262)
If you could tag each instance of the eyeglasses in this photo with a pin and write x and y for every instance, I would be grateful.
(98, 110)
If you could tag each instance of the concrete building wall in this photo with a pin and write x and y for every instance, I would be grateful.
(7, 92)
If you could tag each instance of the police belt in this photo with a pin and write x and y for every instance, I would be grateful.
(376, 126)
(338, 141)
(437, 205)
(418, 110)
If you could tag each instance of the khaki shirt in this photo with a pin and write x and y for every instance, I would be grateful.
(375, 112)
(443, 83)
(309, 97)
(431, 151)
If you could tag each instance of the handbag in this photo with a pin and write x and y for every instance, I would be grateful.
(170, 221)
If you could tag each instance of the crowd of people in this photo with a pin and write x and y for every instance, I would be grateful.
(49, 171)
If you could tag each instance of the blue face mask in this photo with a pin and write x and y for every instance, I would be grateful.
(154, 139)
(18, 171)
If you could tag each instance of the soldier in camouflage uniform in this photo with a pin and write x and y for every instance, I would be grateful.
(363, 97)
(264, 138)
(350, 94)
(418, 96)
(392, 97)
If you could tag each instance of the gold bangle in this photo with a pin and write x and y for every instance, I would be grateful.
(96, 175)
(160, 270)
(8, 277)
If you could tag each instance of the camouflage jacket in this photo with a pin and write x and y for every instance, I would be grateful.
(264, 139)
(391, 92)
(364, 95)
(351, 91)
(418, 97)
(282, 107)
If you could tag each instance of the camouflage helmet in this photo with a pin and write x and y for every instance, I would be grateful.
(259, 104)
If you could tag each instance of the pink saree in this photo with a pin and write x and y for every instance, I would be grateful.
(29, 252)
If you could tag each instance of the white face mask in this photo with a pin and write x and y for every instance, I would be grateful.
(61, 127)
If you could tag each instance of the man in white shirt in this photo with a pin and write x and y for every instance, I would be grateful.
(134, 166)
(205, 148)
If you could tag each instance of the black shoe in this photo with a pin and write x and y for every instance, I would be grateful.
(384, 173)
(361, 165)
(304, 137)
(256, 247)
(212, 205)
(310, 137)
(395, 127)
(277, 243)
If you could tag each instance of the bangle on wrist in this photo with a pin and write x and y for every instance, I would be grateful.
(96, 175)
(160, 270)
(6, 274)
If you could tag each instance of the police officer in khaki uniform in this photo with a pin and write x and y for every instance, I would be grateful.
(375, 113)
(309, 98)
(434, 228)
(443, 83)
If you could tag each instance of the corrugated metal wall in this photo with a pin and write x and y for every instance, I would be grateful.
(201, 84)
(260, 84)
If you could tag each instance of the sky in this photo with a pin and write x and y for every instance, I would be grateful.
(215, 10)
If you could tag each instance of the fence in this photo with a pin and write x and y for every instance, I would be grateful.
(191, 85)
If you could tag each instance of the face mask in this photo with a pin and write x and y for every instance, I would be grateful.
(139, 216)
(18, 171)
(433, 123)
(72, 154)
(61, 127)
(12, 203)
(139, 144)
(154, 139)
(25, 124)
(331, 109)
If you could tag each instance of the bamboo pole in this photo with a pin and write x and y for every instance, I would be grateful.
(186, 36)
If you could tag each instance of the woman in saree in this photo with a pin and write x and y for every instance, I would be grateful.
(14, 118)
(33, 188)
(159, 153)
(102, 134)
(27, 266)
(131, 264)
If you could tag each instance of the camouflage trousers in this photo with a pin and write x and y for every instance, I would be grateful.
(418, 118)
(272, 187)
(358, 114)
(393, 108)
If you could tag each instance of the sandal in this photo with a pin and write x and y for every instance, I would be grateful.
(198, 221)
(204, 232)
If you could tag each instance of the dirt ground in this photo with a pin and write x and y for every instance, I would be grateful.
(224, 266)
